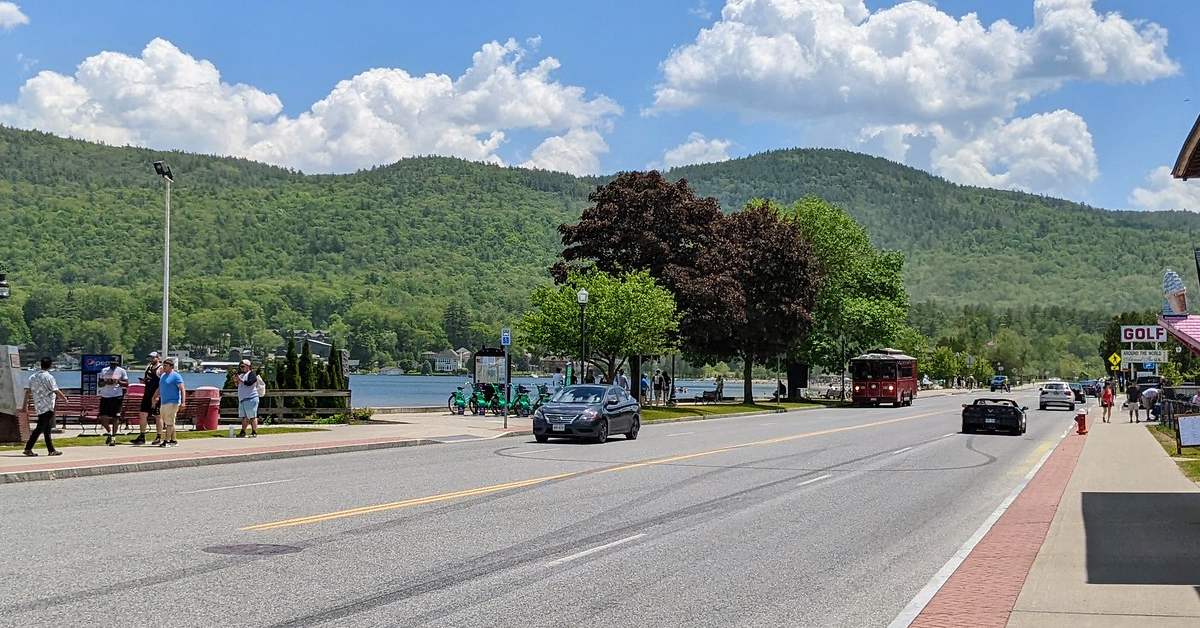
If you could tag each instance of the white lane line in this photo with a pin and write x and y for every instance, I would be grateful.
(914, 608)
(900, 451)
(534, 451)
(589, 552)
(680, 434)
(816, 479)
(226, 488)
(948, 435)
(765, 424)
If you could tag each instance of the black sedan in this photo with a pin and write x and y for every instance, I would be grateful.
(993, 415)
(591, 412)
(1077, 390)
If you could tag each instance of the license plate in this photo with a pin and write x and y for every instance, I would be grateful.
(989, 420)
(558, 428)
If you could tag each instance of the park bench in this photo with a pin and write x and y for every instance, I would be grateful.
(709, 396)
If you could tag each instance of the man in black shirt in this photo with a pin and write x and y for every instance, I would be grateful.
(150, 379)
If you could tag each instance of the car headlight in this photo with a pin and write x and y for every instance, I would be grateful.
(539, 414)
(891, 387)
(587, 415)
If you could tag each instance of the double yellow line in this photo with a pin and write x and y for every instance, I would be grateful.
(496, 488)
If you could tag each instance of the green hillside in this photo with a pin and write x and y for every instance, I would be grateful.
(382, 252)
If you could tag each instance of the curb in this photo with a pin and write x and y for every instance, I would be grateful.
(13, 477)
(740, 415)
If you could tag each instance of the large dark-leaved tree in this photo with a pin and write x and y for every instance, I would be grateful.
(753, 294)
(641, 221)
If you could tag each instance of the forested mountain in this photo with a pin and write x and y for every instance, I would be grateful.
(382, 252)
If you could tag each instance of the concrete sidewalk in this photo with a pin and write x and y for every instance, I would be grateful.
(1123, 548)
(399, 431)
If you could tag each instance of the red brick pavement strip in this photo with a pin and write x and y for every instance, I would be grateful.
(983, 590)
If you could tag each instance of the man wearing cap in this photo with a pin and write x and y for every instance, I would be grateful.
(248, 399)
(113, 380)
(150, 381)
(171, 397)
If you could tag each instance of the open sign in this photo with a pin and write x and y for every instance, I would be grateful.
(1143, 333)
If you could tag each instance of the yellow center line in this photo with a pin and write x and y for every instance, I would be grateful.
(508, 486)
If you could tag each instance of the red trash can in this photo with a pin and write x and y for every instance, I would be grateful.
(208, 416)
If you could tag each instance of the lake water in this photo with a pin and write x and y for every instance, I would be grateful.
(418, 390)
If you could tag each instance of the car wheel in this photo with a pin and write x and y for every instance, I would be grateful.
(541, 438)
(965, 429)
(602, 432)
(1041, 406)
(632, 434)
(1072, 408)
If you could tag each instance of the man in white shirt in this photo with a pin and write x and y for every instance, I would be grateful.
(44, 391)
(112, 382)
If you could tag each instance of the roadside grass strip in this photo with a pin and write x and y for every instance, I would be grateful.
(509, 486)
(651, 414)
(93, 440)
(1166, 438)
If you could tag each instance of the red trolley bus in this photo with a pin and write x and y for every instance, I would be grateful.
(884, 376)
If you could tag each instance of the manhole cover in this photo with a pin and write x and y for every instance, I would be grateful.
(252, 549)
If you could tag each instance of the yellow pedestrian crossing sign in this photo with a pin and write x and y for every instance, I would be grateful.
(1114, 359)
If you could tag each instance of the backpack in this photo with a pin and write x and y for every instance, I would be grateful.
(260, 385)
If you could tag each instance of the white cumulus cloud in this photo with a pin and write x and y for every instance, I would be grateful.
(696, 150)
(1046, 152)
(1163, 191)
(168, 98)
(878, 79)
(577, 152)
(11, 16)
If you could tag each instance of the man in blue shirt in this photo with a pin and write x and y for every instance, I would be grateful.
(171, 397)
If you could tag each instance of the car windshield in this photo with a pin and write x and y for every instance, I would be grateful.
(1054, 387)
(863, 370)
(995, 402)
(998, 378)
(1076, 386)
(580, 394)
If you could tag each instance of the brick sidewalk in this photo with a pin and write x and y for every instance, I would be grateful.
(984, 589)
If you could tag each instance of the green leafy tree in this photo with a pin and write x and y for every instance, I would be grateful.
(626, 315)
(291, 372)
(456, 322)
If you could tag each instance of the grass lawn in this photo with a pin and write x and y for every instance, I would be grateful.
(651, 414)
(98, 439)
(1166, 437)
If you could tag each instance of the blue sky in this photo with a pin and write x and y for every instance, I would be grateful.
(635, 80)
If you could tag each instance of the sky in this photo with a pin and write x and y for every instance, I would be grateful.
(1082, 99)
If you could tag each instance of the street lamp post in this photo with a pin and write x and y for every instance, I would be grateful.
(163, 170)
(582, 298)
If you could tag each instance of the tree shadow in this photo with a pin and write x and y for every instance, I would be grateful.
(1143, 538)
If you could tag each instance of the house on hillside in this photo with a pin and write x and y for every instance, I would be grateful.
(446, 361)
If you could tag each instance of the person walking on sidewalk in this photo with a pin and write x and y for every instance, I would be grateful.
(148, 409)
(1106, 402)
(113, 381)
(248, 397)
(1133, 400)
(171, 398)
(44, 391)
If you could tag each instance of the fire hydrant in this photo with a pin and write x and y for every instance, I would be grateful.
(1081, 422)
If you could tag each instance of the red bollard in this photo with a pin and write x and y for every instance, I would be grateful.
(1081, 422)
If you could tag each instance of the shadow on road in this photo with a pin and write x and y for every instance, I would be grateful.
(1142, 538)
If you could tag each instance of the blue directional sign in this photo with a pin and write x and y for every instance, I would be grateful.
(1148, 365)
(505, 337)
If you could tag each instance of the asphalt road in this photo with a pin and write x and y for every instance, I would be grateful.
(814, 518)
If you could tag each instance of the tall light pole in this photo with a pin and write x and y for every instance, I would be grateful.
(163, 170)
(582, 298)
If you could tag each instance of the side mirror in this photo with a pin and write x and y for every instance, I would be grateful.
(1024, 408)
(611, 401)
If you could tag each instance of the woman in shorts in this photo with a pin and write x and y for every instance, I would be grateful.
(1106, 401)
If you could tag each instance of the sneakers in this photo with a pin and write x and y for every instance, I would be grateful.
(172, 443)
(253, 434)
(30, 453)
(110, 440)
(242, 434)
(157, 441)
(55, 453)
(161, 443)
(140, 440)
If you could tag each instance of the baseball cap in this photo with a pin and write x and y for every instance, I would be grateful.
(154, 354)
(246, 362)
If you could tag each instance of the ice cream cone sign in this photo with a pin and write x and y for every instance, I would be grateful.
(1174, 295)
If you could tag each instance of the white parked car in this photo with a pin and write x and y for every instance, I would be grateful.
(1056, 393)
